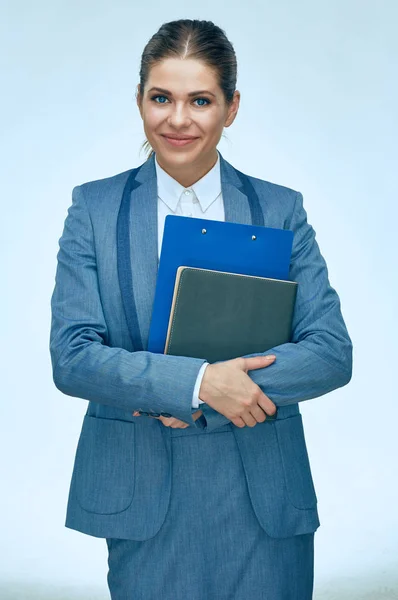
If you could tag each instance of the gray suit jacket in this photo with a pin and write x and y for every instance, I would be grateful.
(101, 310)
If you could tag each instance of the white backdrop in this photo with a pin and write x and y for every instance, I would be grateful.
(318, 113)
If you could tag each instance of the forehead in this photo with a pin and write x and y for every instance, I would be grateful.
(183, 76)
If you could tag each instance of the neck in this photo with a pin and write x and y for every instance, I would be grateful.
(188, 174)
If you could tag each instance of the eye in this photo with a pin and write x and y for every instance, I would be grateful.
(155, 97)
(202, 99)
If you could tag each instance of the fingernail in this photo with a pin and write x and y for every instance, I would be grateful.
(269, 356)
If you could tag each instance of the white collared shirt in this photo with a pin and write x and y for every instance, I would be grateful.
(202, 200)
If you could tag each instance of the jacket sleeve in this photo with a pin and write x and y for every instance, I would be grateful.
(83, 365)
(319, 357)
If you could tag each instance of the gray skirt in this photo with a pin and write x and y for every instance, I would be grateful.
(210, 546)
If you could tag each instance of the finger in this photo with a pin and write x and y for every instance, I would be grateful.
(238, 422)
(258, 362)
(173, 422)
(168, 421)
(258, 413)
(249, 420)
(266, 404)
(176, 423)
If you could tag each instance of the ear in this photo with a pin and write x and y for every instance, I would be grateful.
(232, 109)
(139, 99)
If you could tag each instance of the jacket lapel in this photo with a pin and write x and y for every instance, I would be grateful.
(137, 234)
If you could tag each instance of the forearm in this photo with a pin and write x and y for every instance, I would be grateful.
(297, 374)
(128, 380)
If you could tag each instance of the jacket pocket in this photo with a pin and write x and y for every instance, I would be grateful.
(104, 468)
(295, 462)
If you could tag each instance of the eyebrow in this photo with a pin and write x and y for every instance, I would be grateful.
(168, 93)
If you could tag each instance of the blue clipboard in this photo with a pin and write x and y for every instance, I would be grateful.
(219, 245)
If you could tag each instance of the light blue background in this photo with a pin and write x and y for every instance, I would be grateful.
(319, 114)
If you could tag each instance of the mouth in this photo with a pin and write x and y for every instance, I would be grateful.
(178, 140)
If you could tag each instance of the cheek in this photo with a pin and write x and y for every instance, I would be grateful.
(213, 126)
(152, 118)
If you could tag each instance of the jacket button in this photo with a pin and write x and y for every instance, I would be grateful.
(153, 414)
(164, 414)
(142, 412)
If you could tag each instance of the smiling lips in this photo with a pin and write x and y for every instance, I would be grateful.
(179, 140)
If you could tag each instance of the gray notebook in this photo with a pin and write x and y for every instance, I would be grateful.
(218, 316)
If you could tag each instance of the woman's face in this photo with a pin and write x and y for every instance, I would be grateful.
(183, 99)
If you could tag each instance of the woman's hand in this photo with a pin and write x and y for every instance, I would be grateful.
(172, 421)
(227, 388)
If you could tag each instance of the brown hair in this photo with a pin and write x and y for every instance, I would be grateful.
(200, 40)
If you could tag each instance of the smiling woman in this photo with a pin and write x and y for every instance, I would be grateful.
(210, 503)
(187, 103)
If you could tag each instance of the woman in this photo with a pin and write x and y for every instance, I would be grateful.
(199, 503)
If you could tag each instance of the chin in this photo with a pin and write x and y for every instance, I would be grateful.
(179, 157)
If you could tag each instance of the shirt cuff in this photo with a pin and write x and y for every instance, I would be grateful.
(195, 397)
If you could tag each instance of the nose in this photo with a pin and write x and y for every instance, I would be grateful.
(179, 116)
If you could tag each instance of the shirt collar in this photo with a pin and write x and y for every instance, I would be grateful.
(207, 189)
